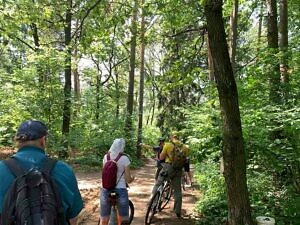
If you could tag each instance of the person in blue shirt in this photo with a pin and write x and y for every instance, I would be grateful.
(31, 142)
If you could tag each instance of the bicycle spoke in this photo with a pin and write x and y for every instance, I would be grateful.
(152, 208)
(166, 195)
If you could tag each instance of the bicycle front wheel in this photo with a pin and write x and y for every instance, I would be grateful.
(152, 208)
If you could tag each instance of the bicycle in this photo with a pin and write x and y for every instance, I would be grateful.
(114, 215)
(184, 180)
(159, 200)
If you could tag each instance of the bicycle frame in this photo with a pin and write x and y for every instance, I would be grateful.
(115, 219)
(114, 216)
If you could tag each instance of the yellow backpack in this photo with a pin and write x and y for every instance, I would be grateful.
(178, 156)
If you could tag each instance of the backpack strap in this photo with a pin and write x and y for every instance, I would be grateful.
(48, 165)
(14, 166)
(116, 159)
(108, 156)
(120, 177)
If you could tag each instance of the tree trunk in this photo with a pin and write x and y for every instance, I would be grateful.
(68, 83)
(141, 99)
(283, 44)
(272, 36)
(239, 212)
(260, 19)
(211, 75)
(76, 75)
(117, 94)
(153, 107)
(98, 88)
(130, 97)
(40, 73)
(233, 33)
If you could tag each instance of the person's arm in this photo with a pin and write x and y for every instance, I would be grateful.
(163, 153)
(128, 177)
(68, 188)
(149, 147)
(73, 221)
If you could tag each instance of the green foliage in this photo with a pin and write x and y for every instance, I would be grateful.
(212, 205)
(177, 87)
(273, 164)
(151, 135)
(202, 130)
(280, 203)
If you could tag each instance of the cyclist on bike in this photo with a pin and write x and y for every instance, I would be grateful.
(171, 172)
(158, 149)
(123, 176)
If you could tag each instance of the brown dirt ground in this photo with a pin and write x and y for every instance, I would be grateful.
(139, 193)
(90, 182)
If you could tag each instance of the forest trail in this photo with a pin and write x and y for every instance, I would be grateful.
(139, 193)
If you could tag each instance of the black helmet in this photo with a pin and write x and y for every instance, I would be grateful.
(161, 139)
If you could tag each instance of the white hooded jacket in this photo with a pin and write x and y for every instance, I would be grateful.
(117, 147)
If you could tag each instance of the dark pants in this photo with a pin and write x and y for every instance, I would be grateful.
(175, 176)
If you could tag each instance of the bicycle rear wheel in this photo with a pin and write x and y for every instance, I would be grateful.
(114, 219)
(165, 196)
(131, 211)
(152, 208)
(113, 216)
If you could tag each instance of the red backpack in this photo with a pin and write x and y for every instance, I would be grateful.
(109, 172)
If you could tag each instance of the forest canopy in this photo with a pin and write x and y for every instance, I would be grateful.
(97, 70)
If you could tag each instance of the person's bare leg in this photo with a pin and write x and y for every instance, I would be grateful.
(104, 221)
(125, 222)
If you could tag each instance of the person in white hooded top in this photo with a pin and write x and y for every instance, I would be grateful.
(123, 177)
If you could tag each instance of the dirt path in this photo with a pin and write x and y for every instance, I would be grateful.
(139, 193)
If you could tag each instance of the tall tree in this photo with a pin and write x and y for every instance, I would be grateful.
(233, 33)
(68, 37)
(233, 150)
(68, 81)
(36, 40)
(260, 20)
(211, 75)
(272, 36)
(130, 96)
(142, 76)
(76, 72)
(283, 45)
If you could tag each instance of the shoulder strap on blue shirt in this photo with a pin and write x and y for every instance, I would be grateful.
(14, 166)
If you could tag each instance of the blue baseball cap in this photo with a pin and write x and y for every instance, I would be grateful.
(31, 130)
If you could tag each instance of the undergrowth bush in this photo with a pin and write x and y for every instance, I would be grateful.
(212, 205)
